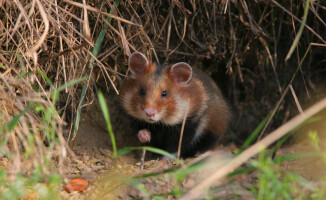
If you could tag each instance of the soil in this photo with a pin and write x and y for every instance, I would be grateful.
(94, 161)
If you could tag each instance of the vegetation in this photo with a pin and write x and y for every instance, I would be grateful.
(267, 56)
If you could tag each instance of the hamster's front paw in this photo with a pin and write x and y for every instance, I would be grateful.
(144, 135)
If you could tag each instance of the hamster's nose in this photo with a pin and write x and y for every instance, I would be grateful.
(150, 112)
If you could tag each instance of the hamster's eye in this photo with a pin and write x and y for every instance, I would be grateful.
(163, 93)
(142, 91)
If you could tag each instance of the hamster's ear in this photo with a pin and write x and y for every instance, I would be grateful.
(138, 64)
(181, 73)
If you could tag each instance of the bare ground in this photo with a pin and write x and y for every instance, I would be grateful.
(95, 164)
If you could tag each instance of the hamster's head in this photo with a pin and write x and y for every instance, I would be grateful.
(154, 93)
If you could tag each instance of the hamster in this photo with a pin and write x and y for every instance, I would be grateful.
(159, 96)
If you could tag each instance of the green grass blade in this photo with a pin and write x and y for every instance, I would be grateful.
(79, 110)
(287, 136)
(100, 37)
(38, 72)
(297, 156)
(11, 125)
(25, 74)
(70, 83)
(255, 132)
(91, 62)
(147, 148)
(153, 174)
(106, 114)
(297, 38)
(253, 135)
(262, 124)
(55, 93)
(240, 171)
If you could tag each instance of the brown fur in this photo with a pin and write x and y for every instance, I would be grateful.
(194, 92)
(183, 85)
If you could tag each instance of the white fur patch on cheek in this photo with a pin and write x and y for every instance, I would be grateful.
(158, 116)
(178, 115)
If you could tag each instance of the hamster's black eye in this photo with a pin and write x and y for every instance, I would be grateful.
(163, 93)
(142, 91)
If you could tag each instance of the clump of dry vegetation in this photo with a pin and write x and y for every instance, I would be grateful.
(55, 54)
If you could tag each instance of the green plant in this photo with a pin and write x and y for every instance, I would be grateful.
(31, 136)
(273, 182)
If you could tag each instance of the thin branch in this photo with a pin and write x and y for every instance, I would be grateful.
(182, 129)
(308, 27)
(254, 149)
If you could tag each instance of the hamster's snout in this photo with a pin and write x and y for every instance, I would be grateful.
(150, 112)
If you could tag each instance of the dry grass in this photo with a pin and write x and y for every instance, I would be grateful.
(242, 44)
(28, 124)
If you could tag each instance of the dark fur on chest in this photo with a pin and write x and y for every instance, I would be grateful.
(167, 137)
